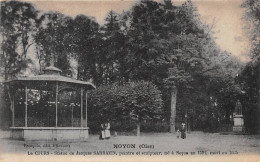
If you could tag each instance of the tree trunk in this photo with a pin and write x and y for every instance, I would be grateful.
(258, 109)
(78, 72)
(138, 129)
(173, 108)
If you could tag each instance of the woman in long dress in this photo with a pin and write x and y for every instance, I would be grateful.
(102, 132)
(107, 130)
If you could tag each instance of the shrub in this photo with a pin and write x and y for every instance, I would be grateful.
(129, 103)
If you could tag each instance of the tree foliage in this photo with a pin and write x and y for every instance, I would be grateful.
(249, 77)
(247, 80)
(53, 39)
(252, 17)
(86, 42)
(18, 21)
(159, 43)
(136, 102)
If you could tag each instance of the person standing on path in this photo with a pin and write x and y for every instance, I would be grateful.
(102, 132)
(183, 131)
(107, 130)
(178, 133)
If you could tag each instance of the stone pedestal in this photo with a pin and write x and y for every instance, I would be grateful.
(238, 123)
(49, 133)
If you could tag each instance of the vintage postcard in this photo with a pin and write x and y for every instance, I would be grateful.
(130, 80)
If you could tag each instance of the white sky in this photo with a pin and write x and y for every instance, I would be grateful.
(228, 14)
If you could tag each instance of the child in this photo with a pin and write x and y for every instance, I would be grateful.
(178, 133)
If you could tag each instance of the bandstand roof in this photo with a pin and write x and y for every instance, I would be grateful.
(51, 78)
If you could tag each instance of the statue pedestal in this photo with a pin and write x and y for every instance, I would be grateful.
(238, 123)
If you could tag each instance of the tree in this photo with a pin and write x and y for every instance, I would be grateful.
(137, 102)
(113, 49)
(247, 81)
(18, 21)
(144, 45)
(252, 17)
(17, 28)
(87, 43)
(170, 46)
(54, 40)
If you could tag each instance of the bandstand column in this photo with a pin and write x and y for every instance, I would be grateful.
(12, 107)
(56, 102)
(86, 109)
(26, 106)
(72, 116)
(81, 107)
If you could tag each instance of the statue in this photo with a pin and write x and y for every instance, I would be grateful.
(238, 108)
(238, 118)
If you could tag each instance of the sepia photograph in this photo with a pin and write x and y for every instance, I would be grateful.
(130, 81)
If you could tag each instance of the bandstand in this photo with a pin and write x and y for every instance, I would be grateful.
(49, 106)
